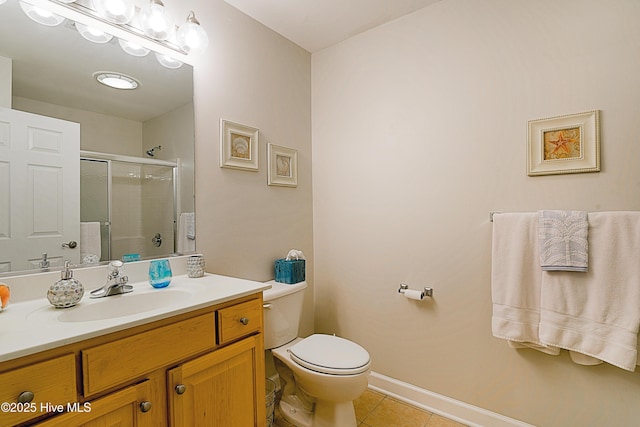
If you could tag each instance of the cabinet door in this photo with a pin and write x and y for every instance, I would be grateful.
(124, 408)
(221, 389)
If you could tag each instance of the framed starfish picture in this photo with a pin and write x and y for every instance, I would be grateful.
(564, 144)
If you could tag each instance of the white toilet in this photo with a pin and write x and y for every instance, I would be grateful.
(321, 375)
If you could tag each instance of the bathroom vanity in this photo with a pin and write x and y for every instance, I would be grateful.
(197, 359)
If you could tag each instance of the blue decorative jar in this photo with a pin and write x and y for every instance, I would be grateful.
(160, 273)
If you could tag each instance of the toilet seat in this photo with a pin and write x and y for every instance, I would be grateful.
(329, 354)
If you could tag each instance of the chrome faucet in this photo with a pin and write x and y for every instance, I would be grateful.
(116, 282)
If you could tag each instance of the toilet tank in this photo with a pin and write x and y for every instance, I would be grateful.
(282, 311)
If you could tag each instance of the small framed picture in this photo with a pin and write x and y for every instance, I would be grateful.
(283, 166)
(564, 144)
(238, 146)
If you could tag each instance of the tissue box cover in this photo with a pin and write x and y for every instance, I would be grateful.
(290, 272)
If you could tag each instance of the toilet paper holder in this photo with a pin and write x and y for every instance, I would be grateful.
(426, 292)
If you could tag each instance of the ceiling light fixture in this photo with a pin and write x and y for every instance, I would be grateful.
(191, 36)
(40, 15)
(116, 80)
(92, 34)
(154, 21)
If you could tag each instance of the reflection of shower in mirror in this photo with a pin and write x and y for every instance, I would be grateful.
(152, 151)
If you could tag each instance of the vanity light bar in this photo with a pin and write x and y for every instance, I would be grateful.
(81, 11)
(84, 10)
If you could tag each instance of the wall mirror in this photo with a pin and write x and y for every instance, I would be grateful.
(137, 146)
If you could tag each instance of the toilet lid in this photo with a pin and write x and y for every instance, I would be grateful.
(330, 355)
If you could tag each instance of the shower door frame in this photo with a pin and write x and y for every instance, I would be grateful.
(106, 157)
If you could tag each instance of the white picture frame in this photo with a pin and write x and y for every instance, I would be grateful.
(564, 144)
(283, 166)
(238, 146)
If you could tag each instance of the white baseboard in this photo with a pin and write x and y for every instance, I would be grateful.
(464, 413)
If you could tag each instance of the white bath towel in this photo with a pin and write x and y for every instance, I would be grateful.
(186, 232)
(515, 281)
(90, 242)
(563, 237)
(597, 313)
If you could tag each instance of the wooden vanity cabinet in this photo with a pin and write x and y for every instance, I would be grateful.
(127, 407)
(203, 368)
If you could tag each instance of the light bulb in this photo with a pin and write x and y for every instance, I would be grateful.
(133, 48)
(154, 21)
(168, 61)
(93, 34)
(191, 37)
(116, 11)
(41, 16)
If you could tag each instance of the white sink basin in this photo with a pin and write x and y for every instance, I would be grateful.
(115, 306)
(123, 305)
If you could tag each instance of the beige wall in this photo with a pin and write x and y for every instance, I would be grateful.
(253, 76)
(419, 131)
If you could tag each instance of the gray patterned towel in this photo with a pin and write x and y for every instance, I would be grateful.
(563, 240)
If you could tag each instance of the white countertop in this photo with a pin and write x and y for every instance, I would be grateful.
(33, 325)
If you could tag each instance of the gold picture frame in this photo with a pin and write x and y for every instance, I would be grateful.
(564, 144)
(283, 166)
(238, 146)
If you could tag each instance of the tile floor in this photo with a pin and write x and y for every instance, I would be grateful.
(375, 409)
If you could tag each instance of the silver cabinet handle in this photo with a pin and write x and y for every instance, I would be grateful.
(180, 388)
(244, 320)
(145, 406)
(266, 305)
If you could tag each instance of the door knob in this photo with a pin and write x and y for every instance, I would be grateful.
(244, 320)
(145, 406)
(71, 245)
(180, 388)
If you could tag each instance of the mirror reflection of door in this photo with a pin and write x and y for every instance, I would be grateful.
(39, 190)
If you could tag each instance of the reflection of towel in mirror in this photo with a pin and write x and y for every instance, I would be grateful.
(90, 243)
(563, 240)
(186, 232)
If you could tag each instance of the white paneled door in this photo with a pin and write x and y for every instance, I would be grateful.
(39, 190)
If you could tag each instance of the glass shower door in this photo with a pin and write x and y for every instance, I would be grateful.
(94, 200)
(142, 210)
(134, 204)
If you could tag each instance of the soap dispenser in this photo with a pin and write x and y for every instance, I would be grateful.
(67, 291)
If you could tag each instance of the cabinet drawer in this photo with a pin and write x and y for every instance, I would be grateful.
(239, 320)
(52, 381)
(127, 359)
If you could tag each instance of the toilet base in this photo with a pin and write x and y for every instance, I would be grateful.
(325, 414)
(296, 415)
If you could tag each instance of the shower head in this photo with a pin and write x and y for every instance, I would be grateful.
(152, 151)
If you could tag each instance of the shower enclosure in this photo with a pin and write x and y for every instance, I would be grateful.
(134, 200)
